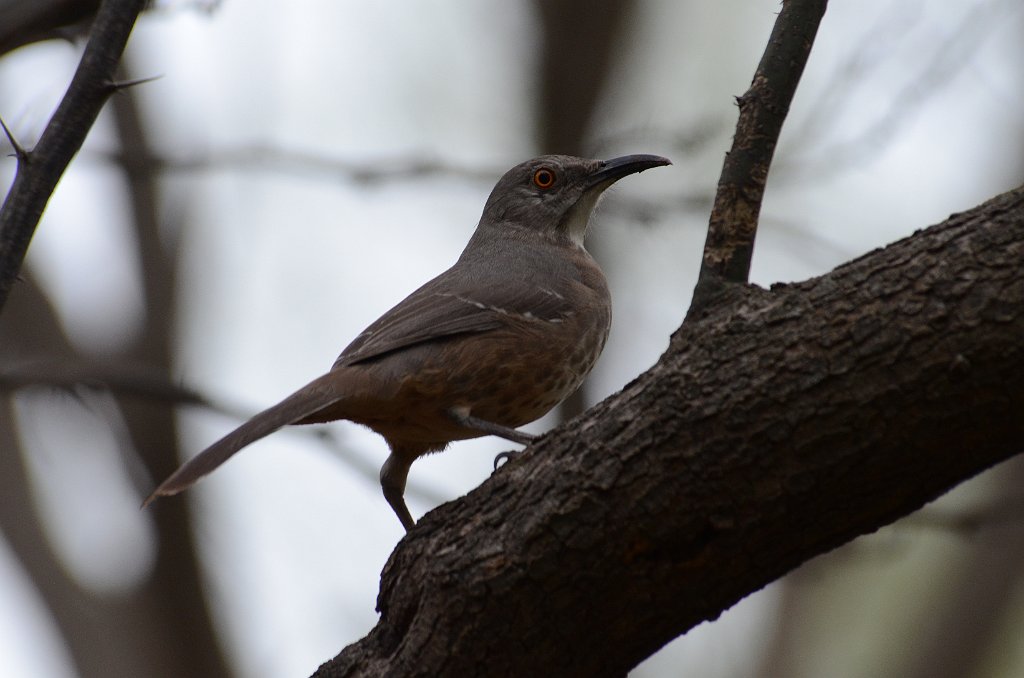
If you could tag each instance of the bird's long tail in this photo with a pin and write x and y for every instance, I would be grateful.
(298, 406)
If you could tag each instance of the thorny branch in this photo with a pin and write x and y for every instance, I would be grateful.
(40, 169)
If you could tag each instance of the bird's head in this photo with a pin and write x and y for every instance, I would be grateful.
(555, 194)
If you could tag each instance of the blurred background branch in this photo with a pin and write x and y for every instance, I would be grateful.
(23, 22)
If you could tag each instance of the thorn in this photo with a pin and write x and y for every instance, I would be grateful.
(20, 153)
(121, 85)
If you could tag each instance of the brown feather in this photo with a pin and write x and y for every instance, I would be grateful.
(303, 403)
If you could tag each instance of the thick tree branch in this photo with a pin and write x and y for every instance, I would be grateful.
(778, 425)
(763, 108)
(40, 169)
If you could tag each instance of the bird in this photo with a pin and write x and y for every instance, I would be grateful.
(492, 343)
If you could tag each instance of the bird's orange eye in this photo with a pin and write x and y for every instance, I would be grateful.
(544, 178)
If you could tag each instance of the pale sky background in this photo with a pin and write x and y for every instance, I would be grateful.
(909, 111)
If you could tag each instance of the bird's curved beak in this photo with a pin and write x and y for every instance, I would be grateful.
(610, 171)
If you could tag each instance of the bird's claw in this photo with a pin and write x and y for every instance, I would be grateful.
(506, 457)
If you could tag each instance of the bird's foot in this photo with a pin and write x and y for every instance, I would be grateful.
(506, 457)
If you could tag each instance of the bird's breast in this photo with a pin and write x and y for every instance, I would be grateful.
(511, 374)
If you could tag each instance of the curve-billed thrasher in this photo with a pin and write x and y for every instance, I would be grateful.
(492, 343)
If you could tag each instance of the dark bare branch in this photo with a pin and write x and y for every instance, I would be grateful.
(36, 178)
(763, 108)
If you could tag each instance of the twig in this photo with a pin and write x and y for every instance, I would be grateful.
(134, 381)
(312, 163)
(763, 108)
(816, 154)
(40, 169)
(378, 173)
(20, 153)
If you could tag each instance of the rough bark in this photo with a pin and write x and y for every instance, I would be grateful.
(779, 424)
(732, 227)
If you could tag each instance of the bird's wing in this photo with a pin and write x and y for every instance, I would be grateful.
(443, 308)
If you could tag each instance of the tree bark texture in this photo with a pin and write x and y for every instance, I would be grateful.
(778, 425)
(763, 108)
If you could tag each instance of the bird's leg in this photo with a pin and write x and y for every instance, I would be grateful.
(469, 421)
(393, 475)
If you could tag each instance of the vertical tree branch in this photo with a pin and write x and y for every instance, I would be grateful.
(40, 169)
(763, 108)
